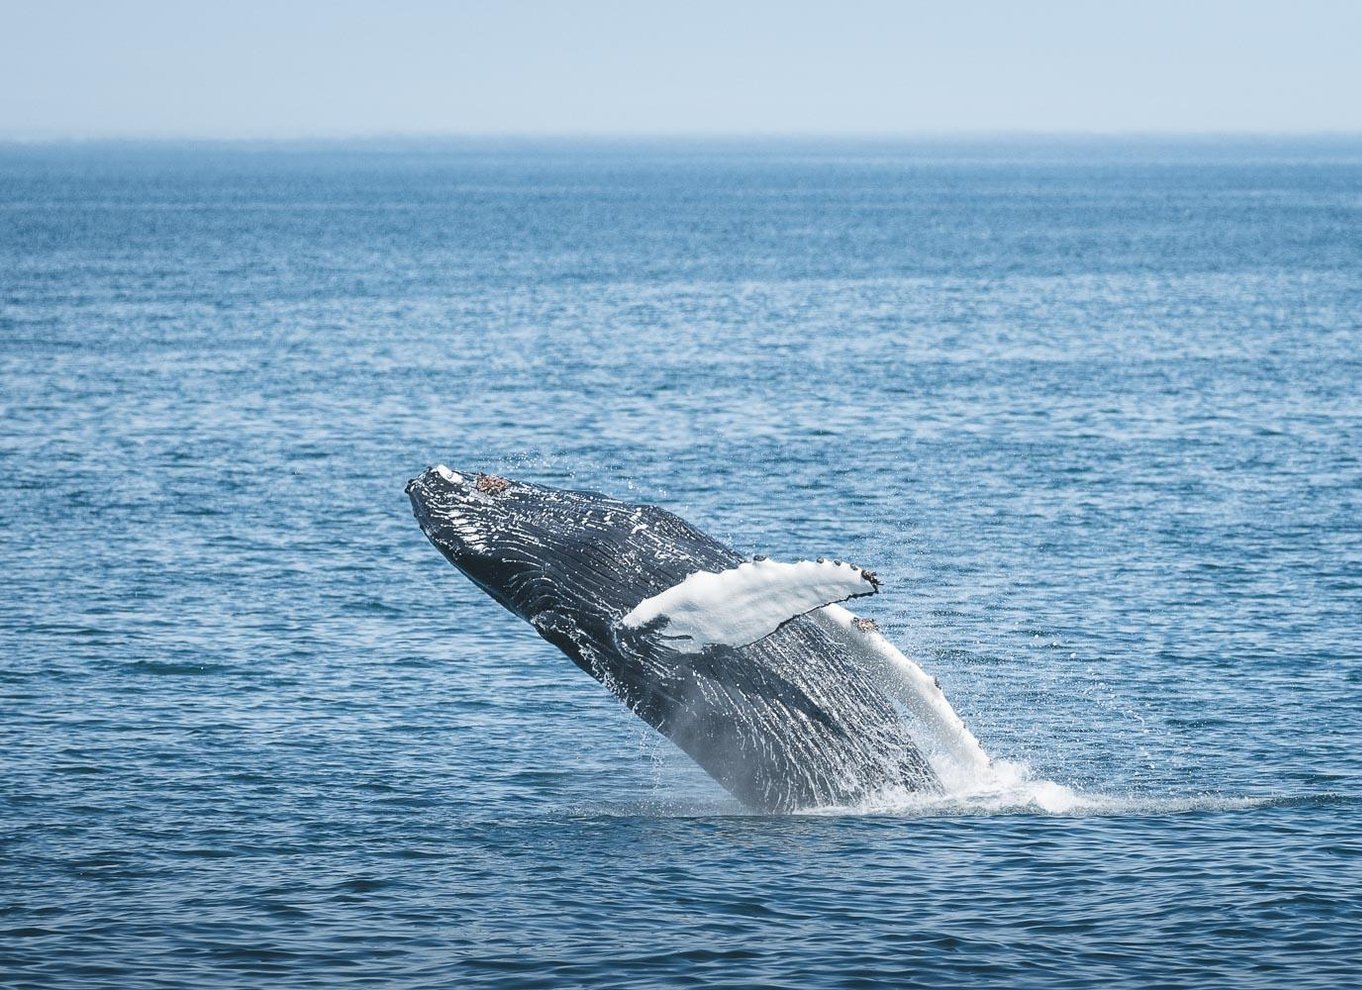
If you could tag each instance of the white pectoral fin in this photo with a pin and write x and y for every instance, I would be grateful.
(739, 606)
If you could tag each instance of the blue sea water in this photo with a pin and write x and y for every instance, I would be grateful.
(1093, 411)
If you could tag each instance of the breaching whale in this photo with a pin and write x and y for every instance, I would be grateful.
(785, 698)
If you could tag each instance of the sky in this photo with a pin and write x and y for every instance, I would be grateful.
(311, 69)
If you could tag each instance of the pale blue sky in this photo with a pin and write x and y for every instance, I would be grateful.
(281, 69)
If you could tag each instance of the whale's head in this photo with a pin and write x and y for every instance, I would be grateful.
(496, 531)
(554, 556)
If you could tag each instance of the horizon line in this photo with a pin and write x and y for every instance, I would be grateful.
(694, 137)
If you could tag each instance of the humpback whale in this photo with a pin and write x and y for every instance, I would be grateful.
(749, 665)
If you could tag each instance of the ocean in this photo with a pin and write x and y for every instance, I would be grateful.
(1092, 409)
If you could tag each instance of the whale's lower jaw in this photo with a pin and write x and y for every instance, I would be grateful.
(789, 722)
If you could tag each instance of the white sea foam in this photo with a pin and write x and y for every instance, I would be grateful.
(1001, 787)
(1005, 788)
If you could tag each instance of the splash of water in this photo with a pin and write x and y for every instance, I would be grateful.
(972, 782)
(1007, 788)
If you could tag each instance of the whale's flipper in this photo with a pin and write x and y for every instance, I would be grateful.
(747, 603)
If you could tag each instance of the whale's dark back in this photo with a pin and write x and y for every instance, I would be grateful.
(788, 722)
